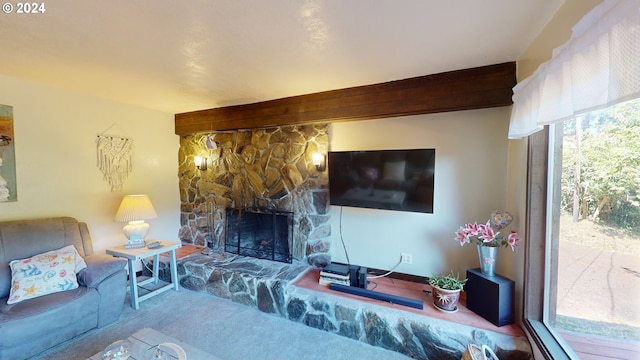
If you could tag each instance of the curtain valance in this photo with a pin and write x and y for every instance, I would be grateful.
(598, 67)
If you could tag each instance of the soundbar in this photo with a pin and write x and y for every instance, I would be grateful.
(393, 299)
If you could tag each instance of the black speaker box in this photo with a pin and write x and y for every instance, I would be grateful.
(491, 297)
(353, 274)
(362, 277)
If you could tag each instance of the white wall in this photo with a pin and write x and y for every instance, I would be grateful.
(470, 182)
(55, 144)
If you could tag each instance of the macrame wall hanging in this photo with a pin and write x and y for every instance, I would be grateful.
(115, 158)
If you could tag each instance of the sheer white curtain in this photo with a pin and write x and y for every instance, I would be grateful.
(598, 67)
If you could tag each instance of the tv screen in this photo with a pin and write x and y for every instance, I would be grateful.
(383, 179)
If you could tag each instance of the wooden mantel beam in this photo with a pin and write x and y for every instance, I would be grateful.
(475, 88)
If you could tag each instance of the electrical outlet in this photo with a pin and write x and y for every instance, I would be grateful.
(406, 258)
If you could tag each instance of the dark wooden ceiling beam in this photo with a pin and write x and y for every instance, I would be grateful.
(475, 88)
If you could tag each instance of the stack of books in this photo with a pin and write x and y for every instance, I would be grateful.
(335, 273)
(135, 243)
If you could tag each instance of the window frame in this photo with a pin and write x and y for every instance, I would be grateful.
(539, 262)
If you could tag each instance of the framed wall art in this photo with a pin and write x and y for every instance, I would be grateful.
(8, 188)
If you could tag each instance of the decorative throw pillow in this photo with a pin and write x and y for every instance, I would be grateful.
(45, 273)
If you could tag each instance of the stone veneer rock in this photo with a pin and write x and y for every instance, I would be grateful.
(269, 286)
(260, 169)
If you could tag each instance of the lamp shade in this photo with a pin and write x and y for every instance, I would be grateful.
(135, 207)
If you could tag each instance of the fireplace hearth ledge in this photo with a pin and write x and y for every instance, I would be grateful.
(270, 287)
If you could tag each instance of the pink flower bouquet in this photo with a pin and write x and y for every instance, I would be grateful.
(488, 234)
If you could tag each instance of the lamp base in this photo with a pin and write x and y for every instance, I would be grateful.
(135, 231)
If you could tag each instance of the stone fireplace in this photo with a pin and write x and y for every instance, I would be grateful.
(268, 170)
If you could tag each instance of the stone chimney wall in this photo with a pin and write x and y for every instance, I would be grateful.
(269, 168)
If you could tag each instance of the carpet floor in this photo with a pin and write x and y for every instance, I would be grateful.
(222, 328)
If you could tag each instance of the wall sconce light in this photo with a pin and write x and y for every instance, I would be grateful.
(200, 162)
(320, 161)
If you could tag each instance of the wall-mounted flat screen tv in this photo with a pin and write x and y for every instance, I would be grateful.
(383, 179)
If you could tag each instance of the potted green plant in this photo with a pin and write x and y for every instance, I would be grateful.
(446, 291)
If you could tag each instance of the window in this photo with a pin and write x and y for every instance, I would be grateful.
(597, 67)
(584, 233)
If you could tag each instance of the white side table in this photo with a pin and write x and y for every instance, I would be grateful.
(141, 253)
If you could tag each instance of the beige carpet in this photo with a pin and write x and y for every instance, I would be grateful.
(223, 328)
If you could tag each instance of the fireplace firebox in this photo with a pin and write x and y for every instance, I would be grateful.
(260, 234)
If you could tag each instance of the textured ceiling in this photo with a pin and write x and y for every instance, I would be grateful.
(178, 56)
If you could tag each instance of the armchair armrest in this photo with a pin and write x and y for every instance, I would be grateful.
(99, 267)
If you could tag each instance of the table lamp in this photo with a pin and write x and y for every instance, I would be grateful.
(134, 210)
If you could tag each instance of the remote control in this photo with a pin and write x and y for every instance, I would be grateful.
(154, 245)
